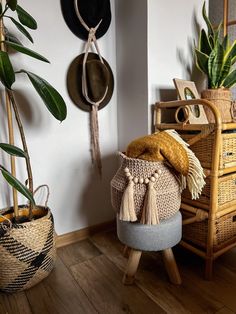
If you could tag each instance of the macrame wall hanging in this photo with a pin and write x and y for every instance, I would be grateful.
(90, 79)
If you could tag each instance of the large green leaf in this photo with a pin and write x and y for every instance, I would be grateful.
(7, 75)
(230, 79)
(201, 61)
(208, 23)
(21, 29)
(15, 183)
(26, 51)
(50, 96)
(216, 64)
(204, 44)
(12, 4)
(12, 150)
(25, 18)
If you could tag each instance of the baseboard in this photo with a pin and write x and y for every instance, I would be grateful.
(75, 236)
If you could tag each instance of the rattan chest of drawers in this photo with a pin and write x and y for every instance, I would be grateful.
(209, 223)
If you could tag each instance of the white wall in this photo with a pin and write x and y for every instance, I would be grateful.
(173, 26)
(132, 82)
(60, 152)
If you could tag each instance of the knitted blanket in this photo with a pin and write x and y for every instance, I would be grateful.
(170, 147)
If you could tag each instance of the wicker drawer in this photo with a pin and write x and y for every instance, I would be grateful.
(203, 150)
(226, 192)
(225, 231)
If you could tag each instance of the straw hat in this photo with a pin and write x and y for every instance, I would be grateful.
(99, 78)
(92, 12)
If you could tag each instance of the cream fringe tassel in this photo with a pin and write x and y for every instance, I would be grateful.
(195, 177)
(150, 211)
(127, 208)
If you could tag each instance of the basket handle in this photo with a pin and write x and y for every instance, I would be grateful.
(48, 192)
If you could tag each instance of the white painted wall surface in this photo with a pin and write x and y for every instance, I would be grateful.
(172, 28)
(132, 81)
(60, 152)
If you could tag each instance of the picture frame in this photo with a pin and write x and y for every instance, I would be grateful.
(193, 114)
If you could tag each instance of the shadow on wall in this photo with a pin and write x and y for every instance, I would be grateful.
(189, 70)
(95, 197)
(88, 193)
(167, 115)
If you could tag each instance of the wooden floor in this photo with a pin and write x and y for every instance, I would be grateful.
(87, 279)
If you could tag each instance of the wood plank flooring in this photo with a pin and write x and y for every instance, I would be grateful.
(88, 279)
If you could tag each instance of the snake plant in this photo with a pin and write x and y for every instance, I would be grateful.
(215, 56)
(23, 22)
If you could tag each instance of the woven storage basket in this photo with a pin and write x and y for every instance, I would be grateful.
(204, 147)
(222, 99)
(226, 192)
(27, 250)
(167, 186)
(224, 234)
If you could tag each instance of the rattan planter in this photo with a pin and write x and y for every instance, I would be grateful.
(167, 186)
(222, 99)
(27, 249)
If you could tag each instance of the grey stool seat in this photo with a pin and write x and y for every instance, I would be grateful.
(151, 237)
(161, 237)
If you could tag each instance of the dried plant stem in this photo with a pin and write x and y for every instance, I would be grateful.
(10, 125)
(24, 143)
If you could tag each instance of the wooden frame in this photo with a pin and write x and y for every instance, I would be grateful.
(211, 212)
(194, 114)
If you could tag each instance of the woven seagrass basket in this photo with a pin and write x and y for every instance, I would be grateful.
(166, 184)
(222, 99)
(27, 249)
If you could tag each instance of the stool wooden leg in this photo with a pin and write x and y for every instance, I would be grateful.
(126, 251)
(171, 267)
(132, 266)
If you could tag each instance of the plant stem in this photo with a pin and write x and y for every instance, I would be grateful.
(10, 124)
(24, 143)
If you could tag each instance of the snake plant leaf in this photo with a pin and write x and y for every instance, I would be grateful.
(225, 43)
(217, 33)
(210, 64)
(50, 96)
(13, 150)
(208, 23)
(7, 75)
(231, 52)
(26, 51)
(12, 4)
(201, 61)
(25, 18)
(21, 29)
(230, 79)
(204, 44)
(15, 183)
(216, 64)
(224, 71)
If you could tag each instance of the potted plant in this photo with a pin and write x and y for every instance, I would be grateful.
(27, 244)
(215, 57)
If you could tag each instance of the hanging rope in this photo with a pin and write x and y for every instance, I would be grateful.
(94, 127)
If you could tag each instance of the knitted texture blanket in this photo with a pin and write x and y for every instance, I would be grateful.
(170, 147)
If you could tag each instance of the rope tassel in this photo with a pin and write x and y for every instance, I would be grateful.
(95, 147)
(150, 211)
(127, 208)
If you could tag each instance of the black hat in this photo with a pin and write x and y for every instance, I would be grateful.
(91, 11)
(100, 80)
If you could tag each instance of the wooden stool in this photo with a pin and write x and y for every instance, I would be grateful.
(161, 237)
